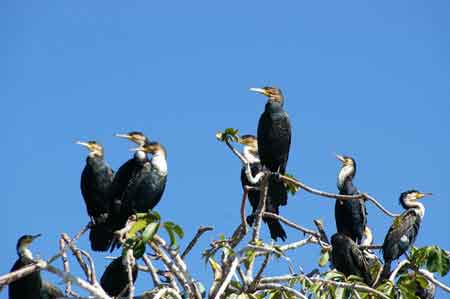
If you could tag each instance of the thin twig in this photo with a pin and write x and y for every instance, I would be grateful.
(243, 216)
(398, 268)
(65, 265)
(78, 256)
(152, 270)
(77, 236)
(261, 207)
(292, 224)
(227, 279)
(431, 279)
(93, 277)
(263, 267)
(201, 230)
(130, 264)
(274, 286)
(321, 229)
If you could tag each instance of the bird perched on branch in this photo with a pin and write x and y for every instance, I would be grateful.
(350, 215)
(253, 168)
(348, 258)
(115, 278)
(274, 138)
(122, 179)
(146, 189)
(403, 232)
(27, 287)
(96, 180)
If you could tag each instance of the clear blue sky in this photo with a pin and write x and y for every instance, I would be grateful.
(364, 78)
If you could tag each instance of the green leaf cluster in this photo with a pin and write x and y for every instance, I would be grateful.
(228, 134)
(435, 259)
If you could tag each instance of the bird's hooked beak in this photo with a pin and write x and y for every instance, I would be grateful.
(85, 144)
(421, 195)
(126, 136)
(259, 90)
(36, 236)
(340, 158)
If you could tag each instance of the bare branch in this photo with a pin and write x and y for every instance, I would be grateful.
(18, 274)
(261, 207)
(243, 216)
(77, 236)
(65, 265)
(152, 270)
(398, 268)
(321, 229)
(201, 230)
(78, 256)
(226, 280)
(430, 277)
(130, 263)
(274, 286)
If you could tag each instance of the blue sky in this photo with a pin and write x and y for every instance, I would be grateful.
(363, 78)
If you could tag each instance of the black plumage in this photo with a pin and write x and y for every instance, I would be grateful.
(27, 287)
(274, 139)
(251, 154)
(138, 184)
(403, 232)
(115, 278)
(96, 180)
(348, 258)
(350, 215)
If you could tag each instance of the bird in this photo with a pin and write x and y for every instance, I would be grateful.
(403, 232)
(96, 180)
(146, 189)
(27, 287)
(250, 152)
(350, 215)
(274, 139)
(115, 278)
(122, 178)
(348, 258)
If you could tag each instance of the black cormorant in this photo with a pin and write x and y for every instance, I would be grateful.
(146, 189)
(96, 180)
(28, 287)
(123, 177)
(251, 155)
(350, 215)
(115, 277)
(274, 138)
(348, 258)
(403, 232)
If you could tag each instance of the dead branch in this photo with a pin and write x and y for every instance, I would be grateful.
(201, 230)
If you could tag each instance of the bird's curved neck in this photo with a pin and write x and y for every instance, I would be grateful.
(24, 252)
(159, 162)
(418, 207)
(250, 155)
(347, 173)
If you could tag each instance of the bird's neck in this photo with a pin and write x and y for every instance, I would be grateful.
(140, 156)
(418, 207)
(25, 253)
(273, 107)
(347, 172)
(95, 155)
(250, 155)
(159, 162)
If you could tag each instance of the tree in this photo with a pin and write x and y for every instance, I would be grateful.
(238, 267)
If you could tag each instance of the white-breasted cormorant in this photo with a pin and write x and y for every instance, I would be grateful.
(251, 155)
(348, 258)
(27, 287)
(403, 232)
(350, 215)
(115, 278)
(96, 180)
(274, 139)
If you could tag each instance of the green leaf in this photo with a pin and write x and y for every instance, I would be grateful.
(229, 134)
(243, 296)
(170, 232)
(138, 226)
(292, 188)
(139, 249)
(386, 288)
(324, 258)
(150, 231)
(433, 257)
(179, 231)
(334, 275)
(339, 293)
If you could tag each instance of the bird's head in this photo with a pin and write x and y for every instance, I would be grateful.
(348, 165)
(273, 94)
(137, 137)
(250, 141)
(408, 198)
(94, 148)
(152, 147)
(24, 242)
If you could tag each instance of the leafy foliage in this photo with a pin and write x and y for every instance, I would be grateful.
(292, 188)
(434, 258)
(145, 228)
(228, 134)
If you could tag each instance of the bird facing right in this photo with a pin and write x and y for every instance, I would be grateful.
(403, 232)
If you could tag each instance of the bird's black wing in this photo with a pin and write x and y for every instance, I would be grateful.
(401, 235)
(361, 264)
